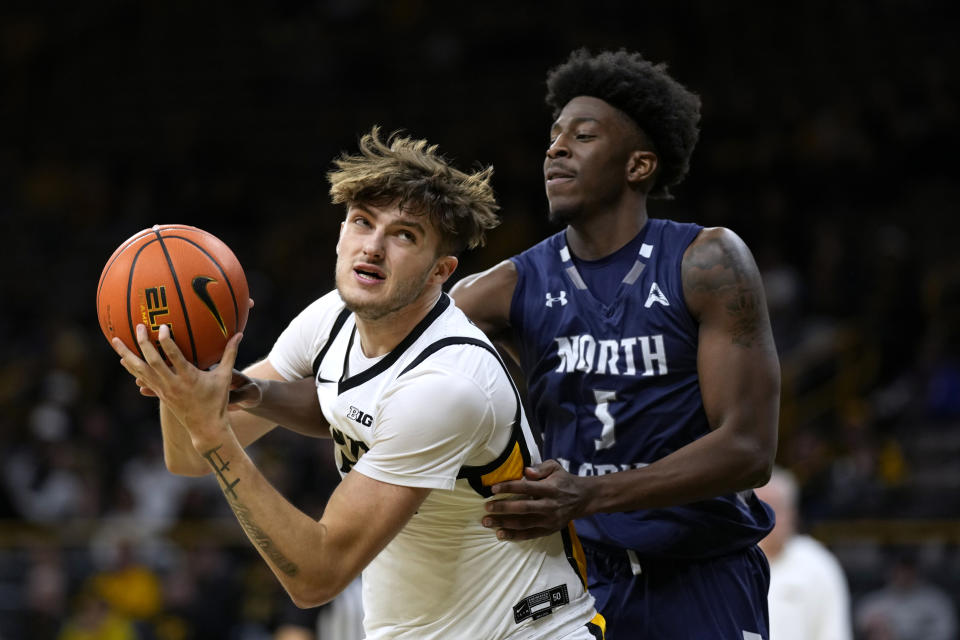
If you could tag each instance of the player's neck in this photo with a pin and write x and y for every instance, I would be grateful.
(381, 335)
(600, 234)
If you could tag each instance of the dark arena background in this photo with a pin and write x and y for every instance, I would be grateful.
(829, 139)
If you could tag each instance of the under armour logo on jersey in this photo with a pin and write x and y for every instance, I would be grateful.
(656, 296)
(562, 299)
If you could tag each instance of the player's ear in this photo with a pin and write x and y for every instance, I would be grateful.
(641, 166)
(444, 268)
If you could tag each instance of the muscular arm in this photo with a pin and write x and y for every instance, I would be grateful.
(485, 298)
(737, 364)
(740, 383)
(739, 380)
(314, 560)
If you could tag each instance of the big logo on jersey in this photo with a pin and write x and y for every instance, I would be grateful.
(360, 416)
(616, 357)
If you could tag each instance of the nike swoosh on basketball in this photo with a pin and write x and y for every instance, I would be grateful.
(200, 288)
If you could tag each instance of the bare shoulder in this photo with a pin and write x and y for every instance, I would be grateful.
(486, 296)
(722, 284)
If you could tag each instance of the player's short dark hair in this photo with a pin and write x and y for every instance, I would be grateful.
(666, 111)
(412, 173)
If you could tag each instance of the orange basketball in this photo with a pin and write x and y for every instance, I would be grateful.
(180, 276)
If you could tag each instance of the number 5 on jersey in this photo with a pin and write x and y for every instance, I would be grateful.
(603, 398)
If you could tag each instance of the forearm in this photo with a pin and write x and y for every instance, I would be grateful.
(178, 452)
(293, 404)
(290, 542)
(716, 464)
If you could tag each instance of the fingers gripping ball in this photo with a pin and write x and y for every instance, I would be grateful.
(180, 276)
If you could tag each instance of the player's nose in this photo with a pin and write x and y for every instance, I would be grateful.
(373, 244)
(558, 147)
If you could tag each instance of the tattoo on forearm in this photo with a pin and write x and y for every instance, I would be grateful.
(219, 466)
(257, 535)
(260, 538)
(717, 271)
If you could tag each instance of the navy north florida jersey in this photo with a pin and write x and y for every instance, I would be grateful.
(615, 387)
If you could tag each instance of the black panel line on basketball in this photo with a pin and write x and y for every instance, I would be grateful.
(233, 296)
(114, 258)
(183, 303)
(133, 267)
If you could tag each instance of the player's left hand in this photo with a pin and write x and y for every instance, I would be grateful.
(546, 499)
(197, 398)
(245, 392)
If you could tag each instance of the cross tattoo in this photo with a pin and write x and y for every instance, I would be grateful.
(219, 466)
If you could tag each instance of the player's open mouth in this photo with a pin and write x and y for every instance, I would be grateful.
(368, 275)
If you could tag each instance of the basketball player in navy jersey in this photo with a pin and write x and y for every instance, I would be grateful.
(650, 366)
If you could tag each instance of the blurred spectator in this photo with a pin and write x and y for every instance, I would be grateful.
(907, 607)
(201, 591)
(808, 598)
(93, 619)
(130, 588)
(157, 494)
(46, 592)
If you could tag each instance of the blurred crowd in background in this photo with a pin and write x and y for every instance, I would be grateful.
(828, 143)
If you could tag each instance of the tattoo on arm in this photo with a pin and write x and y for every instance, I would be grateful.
(716, 270)
(257, 535)
(219, 466)
(260, 538)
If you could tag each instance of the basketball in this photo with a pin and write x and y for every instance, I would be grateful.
(174, 275)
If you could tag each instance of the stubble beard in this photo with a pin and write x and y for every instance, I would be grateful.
(406, 292)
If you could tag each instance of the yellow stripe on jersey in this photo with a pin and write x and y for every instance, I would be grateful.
(601, 622)
(511, 469)
(574, 550)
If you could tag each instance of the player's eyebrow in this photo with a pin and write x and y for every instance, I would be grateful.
(402, 221)
(574, 121)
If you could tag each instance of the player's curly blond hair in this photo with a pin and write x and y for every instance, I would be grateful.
(413, 174)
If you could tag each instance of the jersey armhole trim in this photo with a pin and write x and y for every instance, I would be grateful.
(516, 302)
(515, 456)
(337, 325)
(683, 295)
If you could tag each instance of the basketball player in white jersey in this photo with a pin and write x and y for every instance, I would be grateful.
(423, 412)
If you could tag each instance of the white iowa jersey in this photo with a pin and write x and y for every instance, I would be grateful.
(439, 411)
